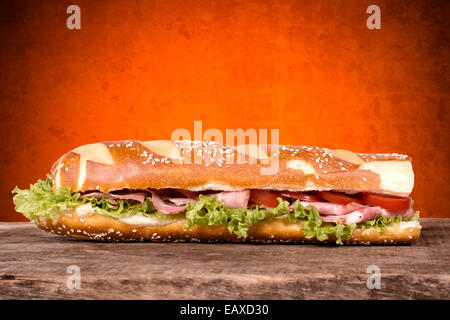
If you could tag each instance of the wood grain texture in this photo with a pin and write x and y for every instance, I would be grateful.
(33, 265)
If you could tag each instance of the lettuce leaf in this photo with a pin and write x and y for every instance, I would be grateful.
(40, 201)
(315, 228)
(209, 211)
(380, 222)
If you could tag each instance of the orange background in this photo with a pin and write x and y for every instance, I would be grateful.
(140, 69)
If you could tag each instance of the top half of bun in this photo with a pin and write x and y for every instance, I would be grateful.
(200, 165)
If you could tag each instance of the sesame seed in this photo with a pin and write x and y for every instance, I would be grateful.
(364, 178)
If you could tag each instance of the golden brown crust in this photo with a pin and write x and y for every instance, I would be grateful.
(196, 165)
(103, 228)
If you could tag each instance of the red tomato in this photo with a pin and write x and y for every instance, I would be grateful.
(264, 198)
(386, 202)
(301, 196)
(339, 198)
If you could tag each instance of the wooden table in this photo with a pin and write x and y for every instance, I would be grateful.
(34, 265)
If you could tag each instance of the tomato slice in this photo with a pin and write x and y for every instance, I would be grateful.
(338, 198)
(301, 196)
(386, 202)
(264, 198)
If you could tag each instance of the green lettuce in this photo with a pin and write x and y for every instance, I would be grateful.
(209, 211)
(315, 228)
(380, 222)
(40, 201)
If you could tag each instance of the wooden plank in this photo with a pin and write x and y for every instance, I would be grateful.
(33, 265)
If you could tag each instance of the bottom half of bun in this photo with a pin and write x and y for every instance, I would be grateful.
(277, 230)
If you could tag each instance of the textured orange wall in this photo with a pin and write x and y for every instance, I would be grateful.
(140, 69)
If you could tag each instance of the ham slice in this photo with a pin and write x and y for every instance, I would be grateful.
(99, 195)
(182, 201)
(333, 209)
(233, 199)
(93, 194)
(170, 205)
(137, 196)
(356, 216)
(408, 214)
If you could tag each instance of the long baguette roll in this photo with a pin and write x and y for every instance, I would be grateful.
(197, 166)
(204, 166)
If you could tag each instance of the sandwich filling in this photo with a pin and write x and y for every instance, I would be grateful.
(323, 213)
